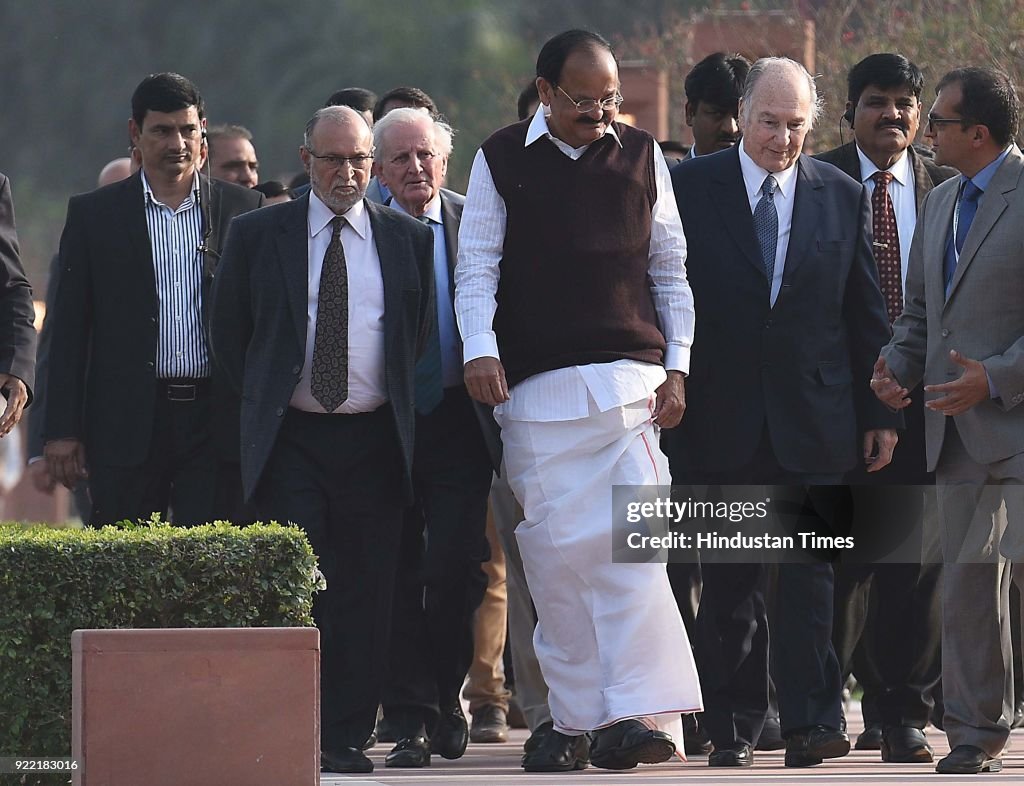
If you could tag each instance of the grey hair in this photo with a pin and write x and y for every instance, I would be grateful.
(443, 132)
(775, 64)
(334, 114)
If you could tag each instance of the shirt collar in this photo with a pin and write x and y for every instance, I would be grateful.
(539, 127)
(900, 171)
(150, 197)
(433, 211)
(320, 216)
(984, 177)
(754, 175)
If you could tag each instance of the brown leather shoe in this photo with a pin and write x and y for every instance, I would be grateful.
(489, 725)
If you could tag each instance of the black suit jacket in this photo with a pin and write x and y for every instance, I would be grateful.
(102, 384)
(803, 366)
(258, 325)
(927, 174)
(17, 316)
(909, 465)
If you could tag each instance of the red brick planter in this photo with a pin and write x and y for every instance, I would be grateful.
(194, 707)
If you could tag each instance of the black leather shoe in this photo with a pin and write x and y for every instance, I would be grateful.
(870, 739)
(968, 760)
(490, 724)
(556, 752)
(345, 760)
(740, 756)
(1018, 716)
(625, 744)
(770, 738)
(537, 736)
(409, 752)
(905, 745)
(809, 747)
(695, 737)
(451, 735)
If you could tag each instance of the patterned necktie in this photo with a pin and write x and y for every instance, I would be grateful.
(429, 385)
(329, 374)
(967, 207)
(766, 224)
(886, 245)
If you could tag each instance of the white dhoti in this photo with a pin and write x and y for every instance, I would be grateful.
(610, 641)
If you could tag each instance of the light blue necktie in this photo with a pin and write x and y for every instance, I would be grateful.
(966, 210)
(766, 224)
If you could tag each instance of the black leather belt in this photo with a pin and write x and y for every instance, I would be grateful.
(184, 389)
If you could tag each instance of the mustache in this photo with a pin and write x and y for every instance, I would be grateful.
(890, 124)
(606, 118)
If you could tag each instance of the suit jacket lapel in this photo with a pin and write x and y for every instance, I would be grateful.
(137, 230)
(922, 178)
(451, 215)
(806, 214)
(293, 256)
(209, 195)
(992, 205)
(730, 197)
(389, 255)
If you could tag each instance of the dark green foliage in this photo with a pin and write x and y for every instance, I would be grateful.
(53, 581)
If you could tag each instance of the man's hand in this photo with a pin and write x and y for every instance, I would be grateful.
(66, 459)
(963, 393)
(485, 381)
(17, 398)
(878, 446)
(885, 386)
(39, 474)
(671, 400)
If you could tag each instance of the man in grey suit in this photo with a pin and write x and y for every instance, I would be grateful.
(440, 582)
(321, 307)
(962, 332)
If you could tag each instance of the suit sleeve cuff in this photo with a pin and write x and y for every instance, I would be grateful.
(480, 345)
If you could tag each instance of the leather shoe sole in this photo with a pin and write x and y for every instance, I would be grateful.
(409, 753)
(955, 764)
(556, 752)
(906, 746)
(732, 757)
(345, 760)
(636, 746)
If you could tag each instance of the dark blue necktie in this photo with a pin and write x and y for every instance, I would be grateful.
(429, 385)
(766, 224)
(967, 208)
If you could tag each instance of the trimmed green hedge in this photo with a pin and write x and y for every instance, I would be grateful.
(53, 581)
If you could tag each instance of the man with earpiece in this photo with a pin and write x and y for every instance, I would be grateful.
(898, 673)
(133, 403)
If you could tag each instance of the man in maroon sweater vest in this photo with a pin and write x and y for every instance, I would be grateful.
(571, 271)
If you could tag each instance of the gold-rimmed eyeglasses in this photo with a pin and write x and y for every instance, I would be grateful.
(588, 105)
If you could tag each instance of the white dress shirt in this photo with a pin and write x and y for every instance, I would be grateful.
(563, 394)
(785, 196)
(366, 384)
(904, 201)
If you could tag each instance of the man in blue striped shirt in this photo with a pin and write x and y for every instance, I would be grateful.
(132, 402)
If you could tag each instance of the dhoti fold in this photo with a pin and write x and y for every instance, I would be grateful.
(610, 641)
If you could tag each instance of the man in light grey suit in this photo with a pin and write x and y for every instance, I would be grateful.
(962, 331)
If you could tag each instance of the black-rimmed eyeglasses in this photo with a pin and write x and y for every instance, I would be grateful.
(935, 120)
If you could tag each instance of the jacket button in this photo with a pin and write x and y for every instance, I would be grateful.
(945, 332)
(296, 369)
(150, 364)
(767, 323)
(280, 411)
